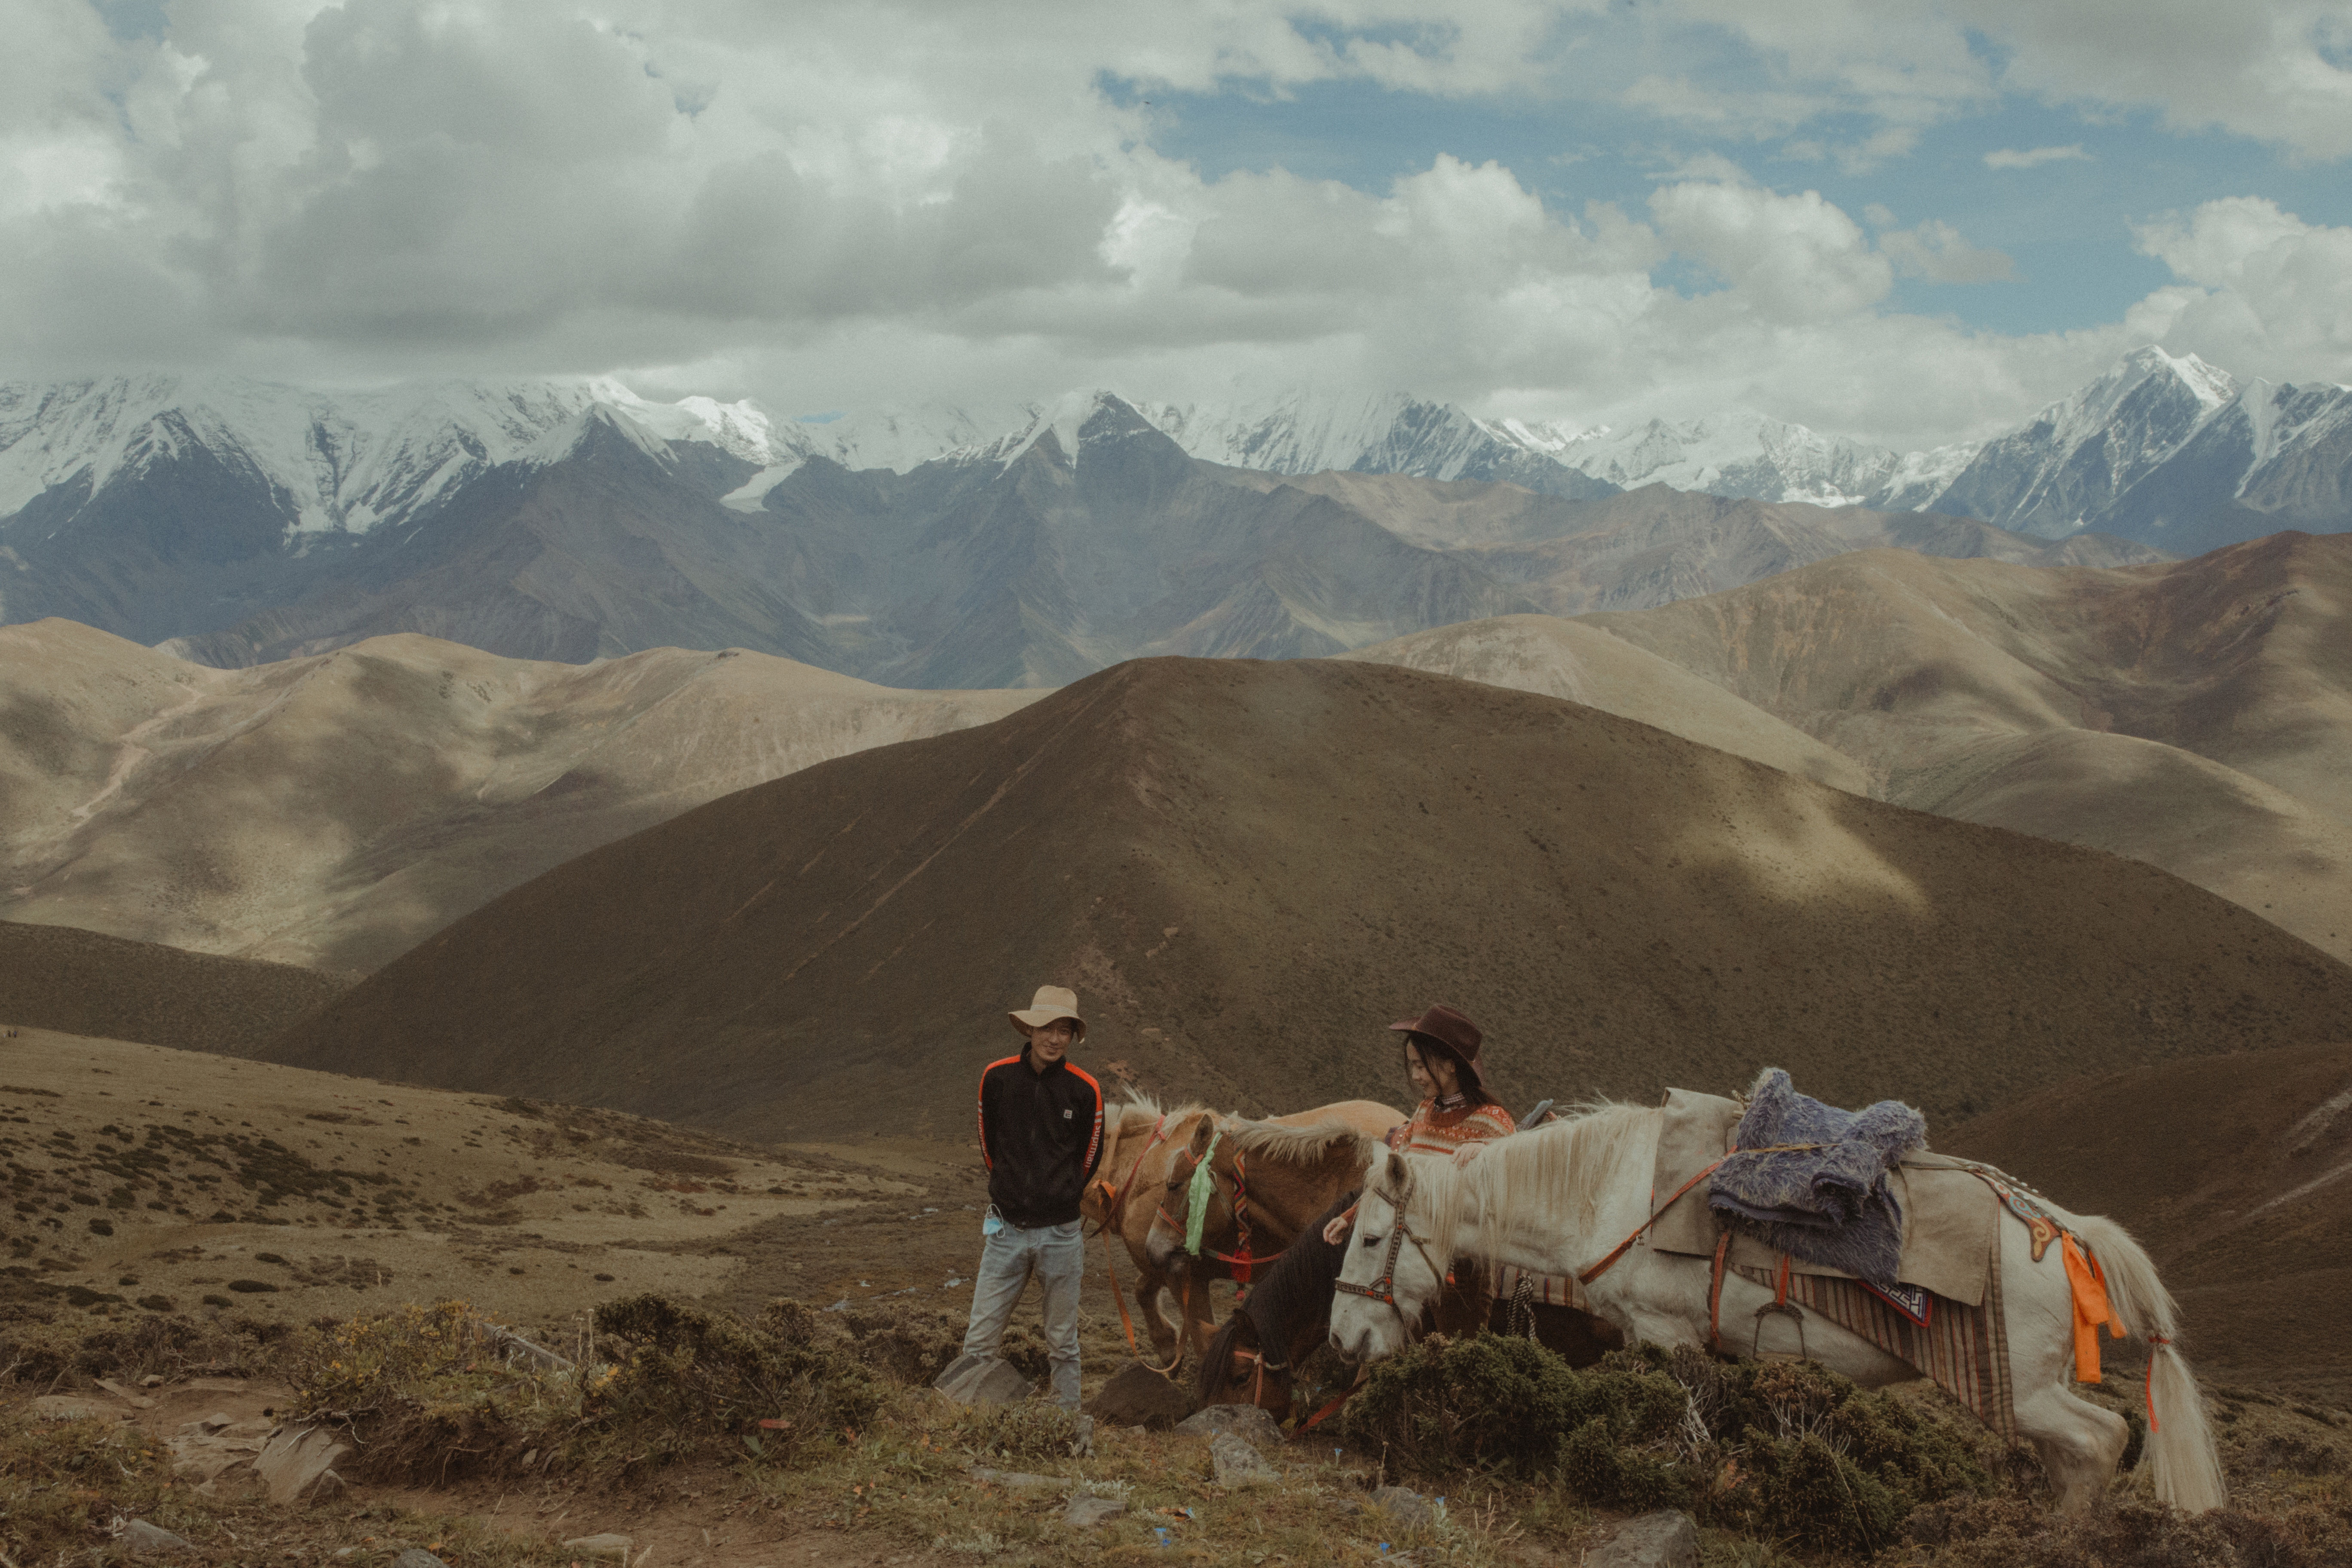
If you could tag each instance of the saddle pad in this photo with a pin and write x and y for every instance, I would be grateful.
(1695, 1133)
(1951, 1217)
(1963, 1347)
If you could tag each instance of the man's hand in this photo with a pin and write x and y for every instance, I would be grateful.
(1336, 1231)
(1467, 1153)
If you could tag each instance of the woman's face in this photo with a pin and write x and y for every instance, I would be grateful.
(1432, 1078)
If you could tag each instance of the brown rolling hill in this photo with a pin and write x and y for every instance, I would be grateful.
(1574, 659)
(333, 811)
(2196, 715)
(84, 983)
(1248, 869)
(2236, 1174)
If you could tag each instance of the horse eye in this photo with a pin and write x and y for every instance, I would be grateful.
(1372, 1241)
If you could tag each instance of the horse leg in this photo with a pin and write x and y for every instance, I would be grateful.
(1148, 1288)
(2080, 1443)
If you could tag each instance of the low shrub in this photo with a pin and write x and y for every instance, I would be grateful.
(1787, 1451)
(687, 1371)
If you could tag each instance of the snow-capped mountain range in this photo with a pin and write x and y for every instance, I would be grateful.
(347, 461)
(933, 546)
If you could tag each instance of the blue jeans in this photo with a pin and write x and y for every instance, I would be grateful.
(1057, 1255)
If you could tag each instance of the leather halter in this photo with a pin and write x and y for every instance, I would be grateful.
(1244, 1260)
(1384, 1288)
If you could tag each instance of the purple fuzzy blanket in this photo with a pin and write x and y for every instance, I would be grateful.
(1828, 1205)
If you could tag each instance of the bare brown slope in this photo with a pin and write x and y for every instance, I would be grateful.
(82, 983)
(2197, 715)
(336, 810)
(1248, 869)
(2236, 1175)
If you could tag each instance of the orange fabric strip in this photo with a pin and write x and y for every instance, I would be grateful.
(2092, 1308)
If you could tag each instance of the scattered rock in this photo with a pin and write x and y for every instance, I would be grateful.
(982, 1380)
(1238, 1462)
(599, 1546)
(153, 1380)
(140, 1538)
(136, 1401)
(292, 1463)
(71, 1408)
(1138, 1397)
(417, 1557)
(1406, 1507)
(205, 1426)
(1242, 1420)
(217, 1385)
(1667, 1539)
(1082, 1437)
(1088, 1510)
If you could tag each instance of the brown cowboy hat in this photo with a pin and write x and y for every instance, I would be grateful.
(1050, 1001)
(1451, 1028)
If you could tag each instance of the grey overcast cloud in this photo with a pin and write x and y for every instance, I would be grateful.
(1906, 220)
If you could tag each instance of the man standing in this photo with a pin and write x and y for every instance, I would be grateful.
(1041, 1123)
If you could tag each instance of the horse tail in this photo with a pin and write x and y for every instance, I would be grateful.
(2182, 1461)
(1216, 1378)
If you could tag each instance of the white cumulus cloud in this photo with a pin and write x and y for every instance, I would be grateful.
(2034, 157)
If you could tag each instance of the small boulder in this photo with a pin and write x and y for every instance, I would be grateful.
(136, 1401)
(71, 1408)
(600, 1545)
(1666, 1539)
(1405, 1507)
(982, 1380)
(292, 1463)
(1138, 1397)
(417, 1557)
(1238, 1462)
(1087, 1511)
(1242, 1420)
(142, 1539)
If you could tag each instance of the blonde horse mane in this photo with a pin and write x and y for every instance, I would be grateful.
(1298, 1145)
(1141, 1108)
(1562, 1170)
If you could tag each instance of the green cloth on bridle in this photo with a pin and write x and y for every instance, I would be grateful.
(1205, 1181)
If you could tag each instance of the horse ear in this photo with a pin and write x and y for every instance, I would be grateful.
(1201, 1136)
(1397, 1172)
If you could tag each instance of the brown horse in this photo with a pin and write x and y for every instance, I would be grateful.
(1140, 1145)
(1138, 1139)
(1268, 1180)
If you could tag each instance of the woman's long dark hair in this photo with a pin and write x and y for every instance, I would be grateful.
(1465, 1076)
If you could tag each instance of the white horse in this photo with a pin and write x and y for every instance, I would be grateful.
(1556, 1200)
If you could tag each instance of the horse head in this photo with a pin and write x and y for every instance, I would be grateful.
(1189, 1181)
(1390, 1270)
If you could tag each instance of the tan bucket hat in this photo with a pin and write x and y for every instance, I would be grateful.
(1050, 1001)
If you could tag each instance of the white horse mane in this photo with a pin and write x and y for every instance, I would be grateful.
(1563, 1169)
(1299, 1145)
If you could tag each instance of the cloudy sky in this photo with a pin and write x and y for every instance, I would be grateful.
(1911, 220)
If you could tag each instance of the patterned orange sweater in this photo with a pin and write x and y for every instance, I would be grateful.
(1434, 1132)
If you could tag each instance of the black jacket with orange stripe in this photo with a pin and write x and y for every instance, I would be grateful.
(1041, 1138)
